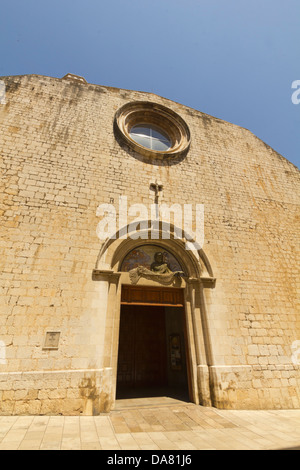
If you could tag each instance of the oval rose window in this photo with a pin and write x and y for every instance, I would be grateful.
(152, 129)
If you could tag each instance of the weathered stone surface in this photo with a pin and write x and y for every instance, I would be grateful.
(59, 160)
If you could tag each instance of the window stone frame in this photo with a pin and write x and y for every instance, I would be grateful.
(148, 113)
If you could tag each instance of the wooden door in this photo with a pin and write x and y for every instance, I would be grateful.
(142, 347)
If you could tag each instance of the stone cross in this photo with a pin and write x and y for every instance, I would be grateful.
(157, 188)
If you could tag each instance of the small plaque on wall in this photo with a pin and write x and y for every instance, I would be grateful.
(52, 340)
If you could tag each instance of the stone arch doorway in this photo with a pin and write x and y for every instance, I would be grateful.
(195, 282)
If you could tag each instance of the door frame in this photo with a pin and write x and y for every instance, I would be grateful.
(158, 296)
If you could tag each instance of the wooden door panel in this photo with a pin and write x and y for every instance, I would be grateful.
(141, 295)
(126, 351)
(150, 346)
(142, 347)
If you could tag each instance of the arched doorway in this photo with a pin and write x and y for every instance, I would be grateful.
(195, 283)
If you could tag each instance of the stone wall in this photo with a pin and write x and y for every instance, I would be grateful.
(60, 159)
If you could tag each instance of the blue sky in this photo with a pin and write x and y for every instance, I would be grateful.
(233, 59)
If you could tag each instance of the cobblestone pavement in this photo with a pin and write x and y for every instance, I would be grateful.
(155, 425)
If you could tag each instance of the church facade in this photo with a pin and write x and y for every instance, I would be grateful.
(146, 248)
